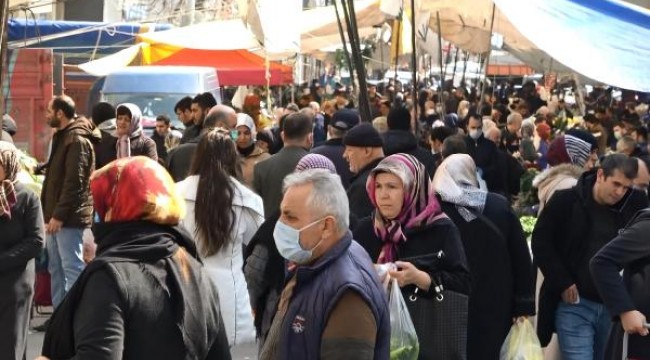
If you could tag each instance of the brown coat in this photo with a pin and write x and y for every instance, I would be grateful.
(66, 189)
(249, 162)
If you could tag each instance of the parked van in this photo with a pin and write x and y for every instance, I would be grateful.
(157, 89)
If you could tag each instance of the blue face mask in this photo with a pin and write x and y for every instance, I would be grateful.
(287, 240)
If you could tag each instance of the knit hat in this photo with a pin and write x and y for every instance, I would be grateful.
(315, 161)
(584, 135)
(363, 135)
(101, 112)
(567, 149)
(344, 119)
(399, 119)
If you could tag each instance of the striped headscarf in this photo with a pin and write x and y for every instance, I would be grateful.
(11, 165)
(136, 188)
(315, 161)
(420, 206)
(456, 182)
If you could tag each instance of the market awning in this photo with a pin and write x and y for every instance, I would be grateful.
(77, 36)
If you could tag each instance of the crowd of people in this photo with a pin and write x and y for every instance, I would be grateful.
(249, 228)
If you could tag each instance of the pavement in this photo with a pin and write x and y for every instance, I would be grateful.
(35, 341)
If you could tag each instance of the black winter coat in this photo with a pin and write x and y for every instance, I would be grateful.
(360, 205)
(426, 240)
(485, 155)
(401, 141)
(22, 240)
(333, 149)
(561, 239)
(630, 251)
(141, 145)
(503, 279)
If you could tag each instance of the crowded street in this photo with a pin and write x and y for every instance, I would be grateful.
(324, 179)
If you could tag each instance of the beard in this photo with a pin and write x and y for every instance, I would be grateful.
(54, 123)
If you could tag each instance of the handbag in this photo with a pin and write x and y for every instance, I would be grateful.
(440, 322)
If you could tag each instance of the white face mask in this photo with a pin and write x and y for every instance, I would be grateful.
(475, 133)
(287, 240)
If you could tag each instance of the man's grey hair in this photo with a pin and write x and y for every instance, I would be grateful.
(514, 117)
(327, 196)
(314, 106)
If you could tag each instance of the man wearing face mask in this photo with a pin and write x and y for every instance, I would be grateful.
(484, 153)
(331, 282)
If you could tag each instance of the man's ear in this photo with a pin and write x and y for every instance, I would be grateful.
(282, 135)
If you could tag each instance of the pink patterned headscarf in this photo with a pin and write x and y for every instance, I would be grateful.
(420, 207)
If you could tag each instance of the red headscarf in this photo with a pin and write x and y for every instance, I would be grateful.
(136, 188)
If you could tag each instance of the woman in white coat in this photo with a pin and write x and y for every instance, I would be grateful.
(223, 215)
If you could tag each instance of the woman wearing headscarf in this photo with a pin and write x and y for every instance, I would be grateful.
(247, 147)
(21, 226)
(129, 138)
(223, 215)
(146, 294)
(264, 267)
(409, 223)
(503, 283)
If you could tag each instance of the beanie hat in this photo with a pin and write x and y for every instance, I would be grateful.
(399, 118)
(363, 135)
(101, 112)
(577, 149)
(344, 119)
(585, 136)
(556, 153)
(315, 161)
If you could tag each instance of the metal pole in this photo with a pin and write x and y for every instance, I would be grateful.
(4, 24)
(415, 69)
(399, 37)
(487, 57)
(345, 43)
(442, 102)
(353, 33)
(453, 74)
(190, 8)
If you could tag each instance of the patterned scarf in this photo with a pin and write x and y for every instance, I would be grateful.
(136, 188)
(456, 182)
(420, 206)
(11, 165)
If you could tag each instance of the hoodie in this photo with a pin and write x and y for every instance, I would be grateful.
(401, 141)
(66, 189)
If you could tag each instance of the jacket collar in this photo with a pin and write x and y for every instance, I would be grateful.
(584, 189)
(307, 272)
(334, 142)
(369, 166)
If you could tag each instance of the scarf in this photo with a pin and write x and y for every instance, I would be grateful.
(136, 188)
(140, 242)
(10, 164)
(456, 182)
(420, 206)
(245, 152)
(135, 130)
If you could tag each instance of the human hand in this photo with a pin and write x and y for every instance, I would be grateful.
(570, 294)
(53, 226)
(408, 274)
(634, 322)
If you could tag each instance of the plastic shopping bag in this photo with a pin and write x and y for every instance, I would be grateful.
(521, 343)
(403, 339)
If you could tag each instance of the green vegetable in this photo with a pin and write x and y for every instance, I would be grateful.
(405, 353)
(528, 224)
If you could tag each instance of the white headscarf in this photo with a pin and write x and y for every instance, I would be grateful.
(456, 182)
(135, 130)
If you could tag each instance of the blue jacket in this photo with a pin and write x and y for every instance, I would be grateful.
(318, 288)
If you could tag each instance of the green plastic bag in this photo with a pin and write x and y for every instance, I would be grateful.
(521, 343)
(404, 343)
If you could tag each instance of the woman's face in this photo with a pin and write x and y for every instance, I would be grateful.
(123, 124)
(389, 195)
(244, 137)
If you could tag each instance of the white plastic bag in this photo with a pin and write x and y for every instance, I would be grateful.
(404, 343)
(521, 343)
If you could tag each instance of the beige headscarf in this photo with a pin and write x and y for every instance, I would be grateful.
(456, 182)
(135, 130)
